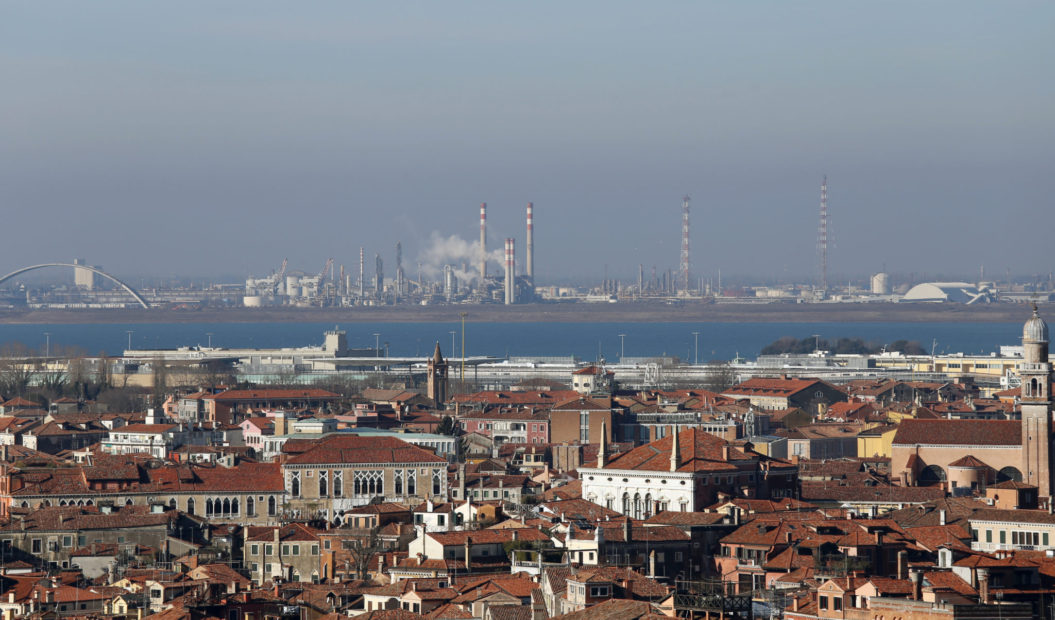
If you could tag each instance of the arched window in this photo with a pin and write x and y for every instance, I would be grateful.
(932, 474)
(626, 503)
(338, 483)
(208, 507)
(437, 481)
(226, 506)
(190, 505)
(397, 477)
(250, 507)
(234, 506)
(323, 491)
(172, 503)
(294, 484)
(637, 505)
(648, 505)
(412, 482)
(1009, 473)
(272, 509)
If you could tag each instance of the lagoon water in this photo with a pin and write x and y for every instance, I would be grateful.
(588, 341)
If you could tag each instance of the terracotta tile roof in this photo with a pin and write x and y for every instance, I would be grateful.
(358, 449)
(459, 538)
(272, 394)
(760, 386)
(1011, 484)
(968, 461)
(832, 492)
(764, 505)
(145, 428)
(947, 580)
(887, 585)
(292, 532)
(612, 609)
(614, 531)
(67, 518)
(957, 510)
(246, 476)
(576, 510)
(934, 536)
(541, 398)
(449, 611)
(18, 401)
(390, 614)
(959, 432)
(503, 414)
(699, 452)
(685, 519)
(582, 403)
(1040, 517)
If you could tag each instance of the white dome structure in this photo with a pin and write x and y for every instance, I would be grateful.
(958, 292)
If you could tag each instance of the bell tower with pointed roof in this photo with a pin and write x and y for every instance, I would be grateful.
(437, 380)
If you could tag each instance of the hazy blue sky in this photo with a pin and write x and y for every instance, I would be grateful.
(220, 137)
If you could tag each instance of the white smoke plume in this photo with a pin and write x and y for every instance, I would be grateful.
(456, 252)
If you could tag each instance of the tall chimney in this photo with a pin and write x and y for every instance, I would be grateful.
(510, 269)
(362, 273)
(529, 268)
(983, 585)
(604, 443)
(483, 242)
(917, 585)
(675, 449)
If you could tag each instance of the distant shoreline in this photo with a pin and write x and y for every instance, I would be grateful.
(628, 312)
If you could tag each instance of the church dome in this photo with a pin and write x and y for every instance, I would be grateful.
(1035, 329)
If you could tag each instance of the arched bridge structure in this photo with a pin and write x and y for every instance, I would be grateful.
(131, 291)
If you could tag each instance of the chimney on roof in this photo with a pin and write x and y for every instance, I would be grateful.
(902, 564)
(652, 564)
(468, 553)
(675, 449)
(461, 481)
(983, 586)
(941, 517)
(917, 585)
(626, 530)
(604, 443)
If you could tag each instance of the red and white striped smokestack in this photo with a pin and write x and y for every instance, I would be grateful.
(483, 241)
(529, 267)
(510, 272)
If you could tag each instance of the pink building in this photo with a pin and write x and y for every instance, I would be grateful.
(516, 426)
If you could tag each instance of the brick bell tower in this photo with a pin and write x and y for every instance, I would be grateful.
(437, 381)
(1035, 372)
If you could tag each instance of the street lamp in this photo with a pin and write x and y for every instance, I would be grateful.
(377, 345)
(621, 336)
(209, 334)
(452, 351)
(696, 339)
(130, 332)
(47, 344)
